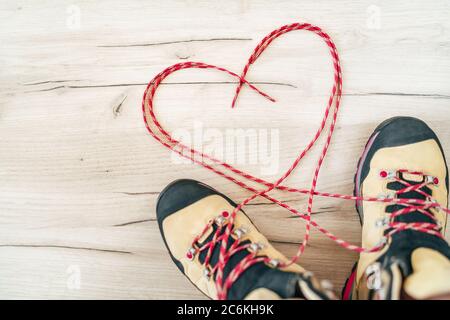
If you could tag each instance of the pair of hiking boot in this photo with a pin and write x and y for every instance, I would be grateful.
(403, 159)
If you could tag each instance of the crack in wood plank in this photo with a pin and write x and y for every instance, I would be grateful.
(117, 109)
(308, 244)
(162, 84)
(271, 203)
(254, 204)
(293, 216)
(397, 94)
(155, 193)
(401, 94)
(47, 82)
(140, 193)
(134, 222)
(172, 42)
(63, 247)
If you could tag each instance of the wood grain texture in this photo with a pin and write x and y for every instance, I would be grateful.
(80, 175)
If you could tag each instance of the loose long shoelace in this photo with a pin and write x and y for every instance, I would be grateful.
(244, 179)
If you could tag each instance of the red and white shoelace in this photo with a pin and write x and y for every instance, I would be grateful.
(243, 179)
(433, 228)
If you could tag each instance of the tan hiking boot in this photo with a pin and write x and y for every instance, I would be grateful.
(403, 159)
(185, 207)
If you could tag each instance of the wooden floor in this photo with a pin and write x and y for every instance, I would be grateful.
(79, 174)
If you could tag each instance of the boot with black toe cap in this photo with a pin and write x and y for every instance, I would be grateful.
(403, 160)
(193, 219)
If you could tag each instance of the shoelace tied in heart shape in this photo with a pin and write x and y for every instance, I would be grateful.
(243, 179)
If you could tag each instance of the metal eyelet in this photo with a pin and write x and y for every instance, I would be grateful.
(326, 285)
(240, 232)
(383, 222)
(387, 195)
(387, 174)
(191, 253)
(432, 180)
(255, 247)
(274, 263)
(391, 195)
(373, 276)
(220, 220)
(382, 242)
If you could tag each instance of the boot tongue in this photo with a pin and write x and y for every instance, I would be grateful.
(234, 259)
(414, 216)
(267, 281)
(261, 281)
